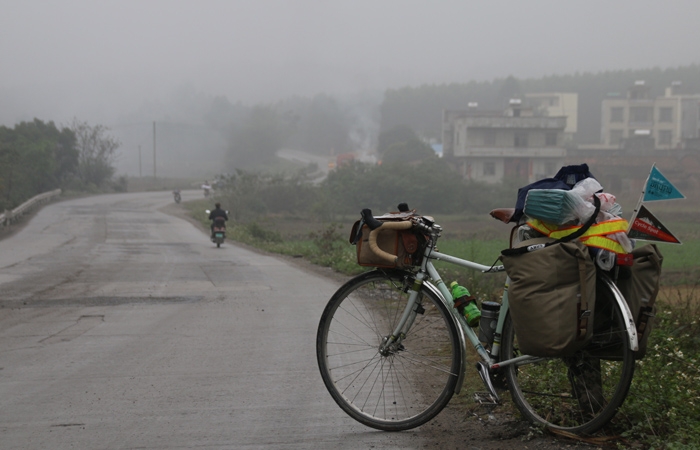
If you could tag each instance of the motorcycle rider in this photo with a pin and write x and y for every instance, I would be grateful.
(216, 213)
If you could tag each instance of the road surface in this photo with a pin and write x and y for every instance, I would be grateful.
(123, 327)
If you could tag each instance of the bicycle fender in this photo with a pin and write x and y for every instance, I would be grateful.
(460, 334)
(626, 313)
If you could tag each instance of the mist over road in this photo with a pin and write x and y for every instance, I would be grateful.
(124, 327)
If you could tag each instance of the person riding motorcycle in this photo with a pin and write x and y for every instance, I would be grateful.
(217, 213)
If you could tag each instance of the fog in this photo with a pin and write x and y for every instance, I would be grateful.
(112, 62)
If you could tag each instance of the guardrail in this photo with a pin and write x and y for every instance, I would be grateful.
(8, 217)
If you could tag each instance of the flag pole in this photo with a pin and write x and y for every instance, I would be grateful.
(641, 199)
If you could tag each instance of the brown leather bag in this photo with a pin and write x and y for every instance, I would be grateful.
(405, 244)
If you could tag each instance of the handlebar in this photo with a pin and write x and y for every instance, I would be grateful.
(372, 239)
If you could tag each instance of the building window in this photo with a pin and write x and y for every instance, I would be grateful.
(666, 115)
(665, 138)
(520, 140)
(489, 138)
(640, 114)
(550, 139)
(489, 169)
(615, 137)
(617, 114)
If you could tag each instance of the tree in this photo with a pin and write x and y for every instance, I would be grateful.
(409, 151)
(96, 152)
(257, 141)
(35, 157)
(395, 135)
(510, 89)
(402, 144)
(325, 127)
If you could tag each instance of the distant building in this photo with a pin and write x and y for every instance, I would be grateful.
(668, 121)
(557, 104)
(488, 146)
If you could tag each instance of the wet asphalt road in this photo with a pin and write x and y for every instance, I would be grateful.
(124, 327)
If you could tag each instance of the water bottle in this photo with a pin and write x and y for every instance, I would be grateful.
(465, 304)
(488, 322)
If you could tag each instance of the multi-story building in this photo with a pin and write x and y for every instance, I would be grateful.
(669, 120)
(488, 146)
(557, 104)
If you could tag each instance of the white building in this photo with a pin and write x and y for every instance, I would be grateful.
(557, 104)
(668, 120)
(488, 146)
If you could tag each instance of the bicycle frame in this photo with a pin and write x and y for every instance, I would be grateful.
(429, 276)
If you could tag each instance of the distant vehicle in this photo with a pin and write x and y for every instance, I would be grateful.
(218, 230)
(176, 196)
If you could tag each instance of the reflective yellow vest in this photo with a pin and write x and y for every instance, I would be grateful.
(595, 236)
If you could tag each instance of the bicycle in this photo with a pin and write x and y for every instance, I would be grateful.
(391, 348)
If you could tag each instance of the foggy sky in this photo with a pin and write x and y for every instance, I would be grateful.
(95, 59)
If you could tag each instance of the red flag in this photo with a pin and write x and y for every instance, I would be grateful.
(647, 227)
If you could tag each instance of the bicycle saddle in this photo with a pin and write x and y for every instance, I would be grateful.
(503, 214)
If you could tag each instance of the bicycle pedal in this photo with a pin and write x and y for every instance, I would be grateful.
(484, 398)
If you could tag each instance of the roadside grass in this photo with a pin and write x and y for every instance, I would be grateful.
(663, 406)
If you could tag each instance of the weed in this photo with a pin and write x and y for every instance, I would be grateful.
(259, 233)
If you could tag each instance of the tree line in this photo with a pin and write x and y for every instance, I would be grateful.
(38, 156)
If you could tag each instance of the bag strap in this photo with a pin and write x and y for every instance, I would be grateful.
(583, 312)
(576, 234)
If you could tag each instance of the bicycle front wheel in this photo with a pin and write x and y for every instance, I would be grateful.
(579, 394)
(409, 383)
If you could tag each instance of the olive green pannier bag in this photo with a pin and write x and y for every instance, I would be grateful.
(639, 284)
(551, 296)
(552, 293)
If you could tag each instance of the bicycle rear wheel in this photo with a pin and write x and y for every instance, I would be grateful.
(404, 387)
(578, 394)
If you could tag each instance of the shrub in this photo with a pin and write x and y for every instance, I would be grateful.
(662, 408)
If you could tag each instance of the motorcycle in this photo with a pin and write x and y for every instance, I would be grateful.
(218, 230)
(176, 196)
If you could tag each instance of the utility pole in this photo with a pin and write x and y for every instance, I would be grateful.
(140, 162)
(154, 149)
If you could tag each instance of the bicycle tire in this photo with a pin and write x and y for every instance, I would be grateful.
(578, 394)
(406, 387)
